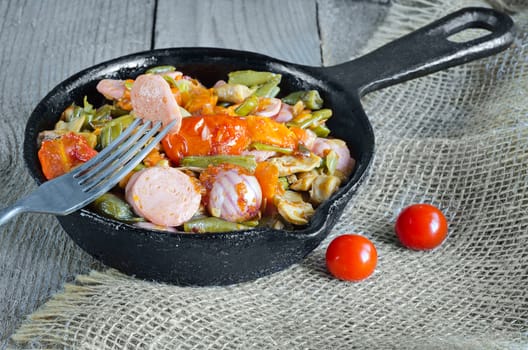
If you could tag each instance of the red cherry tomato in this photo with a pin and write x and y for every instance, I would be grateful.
(421, 227)
(351, 257)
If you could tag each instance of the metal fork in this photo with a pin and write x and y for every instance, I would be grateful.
(72, 191)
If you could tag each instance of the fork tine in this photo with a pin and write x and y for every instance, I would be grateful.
(95, 175)
(113, 154)
(110, 148)
(111, 176)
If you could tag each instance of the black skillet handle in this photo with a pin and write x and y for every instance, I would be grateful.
(427, 50)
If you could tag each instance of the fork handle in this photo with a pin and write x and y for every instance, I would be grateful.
(7, 213)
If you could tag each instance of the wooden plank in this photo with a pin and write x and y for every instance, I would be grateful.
(346, 25)
(42, 44)
(281, 29)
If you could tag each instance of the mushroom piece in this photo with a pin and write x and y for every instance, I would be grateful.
(291, 164)
(323, 186)
(293, 208)
(304, 181)
(233, 93)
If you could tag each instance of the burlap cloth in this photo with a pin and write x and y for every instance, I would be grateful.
(457, 139)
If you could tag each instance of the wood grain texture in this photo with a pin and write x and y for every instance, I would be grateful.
(282, 29)
(42, 43)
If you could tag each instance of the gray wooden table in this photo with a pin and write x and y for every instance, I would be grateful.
(44, 42)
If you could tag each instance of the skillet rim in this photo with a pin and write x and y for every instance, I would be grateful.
(141, 59)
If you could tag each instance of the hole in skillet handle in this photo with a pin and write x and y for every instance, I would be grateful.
(468, 35)
(473, 30)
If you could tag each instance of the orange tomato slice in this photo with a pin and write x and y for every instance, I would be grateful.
(207, 135)
(267, 175)
(59, 156)
(268, 131)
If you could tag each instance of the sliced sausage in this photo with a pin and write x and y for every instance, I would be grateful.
(112, 89)
(152, 99)
(164, 196)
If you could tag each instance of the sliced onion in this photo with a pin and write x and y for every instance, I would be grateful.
(234, 196)
(150, 226)
(345, 163)
(219, 83)
(285, 113)
(271, 109)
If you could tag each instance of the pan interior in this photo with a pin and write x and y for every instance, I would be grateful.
(208, 66)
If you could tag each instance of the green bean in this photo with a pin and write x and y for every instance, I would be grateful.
(250, 223)
(274, 91)
(74, 112)
(114, 207)
(68, 113)
(322, 115)
(74, 125)
(183, 85)
(310, 98)
(269, 89)
(77, 112)
(247, 162)
(284, 182)
(139, 167)
(78, 118)
(160, 69)
(321, 130)
(113, 129)
(247, 106)
(274, 222)
(101, 116)
(88, 107)
(293, 98)
(331, 162)
(315, 119)
(116, 111)
(170, 80)
(264, 147)
(212, 224)
(250, 77)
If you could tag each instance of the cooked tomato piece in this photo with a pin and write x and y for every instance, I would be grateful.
(267, 175)
(201, 101)
(268, 131)
(207, 135)
(60, 155)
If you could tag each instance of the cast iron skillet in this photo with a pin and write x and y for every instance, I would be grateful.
(219, 259)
